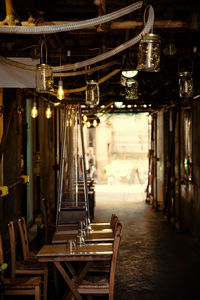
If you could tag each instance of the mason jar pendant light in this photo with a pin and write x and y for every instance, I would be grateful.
(186, 88)
(131, 89)
(43, 75)
(92, 93)
(149, 53)
(43, 78)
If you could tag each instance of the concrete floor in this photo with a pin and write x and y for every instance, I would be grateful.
(155, 261)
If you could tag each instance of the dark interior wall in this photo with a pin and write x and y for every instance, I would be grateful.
(47, 141)
(43, 131)
(192, 201)
(182, 193)
(12, 205)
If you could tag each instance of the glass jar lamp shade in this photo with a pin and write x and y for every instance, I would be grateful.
(92, 93)
(149, 53)
(185, 84)
(44, 79)
(131, 89)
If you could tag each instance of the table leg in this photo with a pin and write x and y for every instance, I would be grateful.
(68, 280)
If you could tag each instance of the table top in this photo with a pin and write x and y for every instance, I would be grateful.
(73, 228)
(93, 236)
(63, 252)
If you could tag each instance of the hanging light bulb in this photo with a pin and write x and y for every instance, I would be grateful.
(92, 93)
(48, 112)
(88, 124)
(60, 91)
(94, 123)
(149, 53)
(34, 110)
(85, 118)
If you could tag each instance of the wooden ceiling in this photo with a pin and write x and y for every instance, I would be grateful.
(177, 22)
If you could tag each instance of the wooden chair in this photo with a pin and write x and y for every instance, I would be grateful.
(103, 266)
(101, 285)
(20, 286)
(113, 221)
(27, 266)
(49, 228)
(27, 254)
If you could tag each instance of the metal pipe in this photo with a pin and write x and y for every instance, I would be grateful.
(84, 173)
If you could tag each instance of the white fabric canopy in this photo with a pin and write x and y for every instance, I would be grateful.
(12, 77)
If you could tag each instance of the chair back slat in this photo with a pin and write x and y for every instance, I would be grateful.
(45, 211)
(12, 248)
(24, 237)
(113, 265)
(118, 227)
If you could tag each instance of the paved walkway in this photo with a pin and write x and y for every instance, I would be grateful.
(155, 262)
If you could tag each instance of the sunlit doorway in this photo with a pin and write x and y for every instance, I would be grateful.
(120, 146)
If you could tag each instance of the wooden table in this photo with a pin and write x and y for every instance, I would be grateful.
(100, 226)
(62, 257)
(73, 228)
(93, 236)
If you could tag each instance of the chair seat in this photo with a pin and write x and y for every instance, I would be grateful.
(92, 283)
(28, 282)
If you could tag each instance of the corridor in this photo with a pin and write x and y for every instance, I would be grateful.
(155, 261)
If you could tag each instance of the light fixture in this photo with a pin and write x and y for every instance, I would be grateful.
(88, 124)
(118, 104)
(48, 112)
(185, 77)
(131, 89)
(43, 74)
(94, 123)
(44, 78)
(90, 121)
(126, 75)
(60, 91)
(185, 84)
(85, 118)
(34, 110)
(92, 93)
(149, 53)
(129, 73)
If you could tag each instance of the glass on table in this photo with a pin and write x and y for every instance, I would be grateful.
(82, 224)
(80, 240)
(71, 245)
